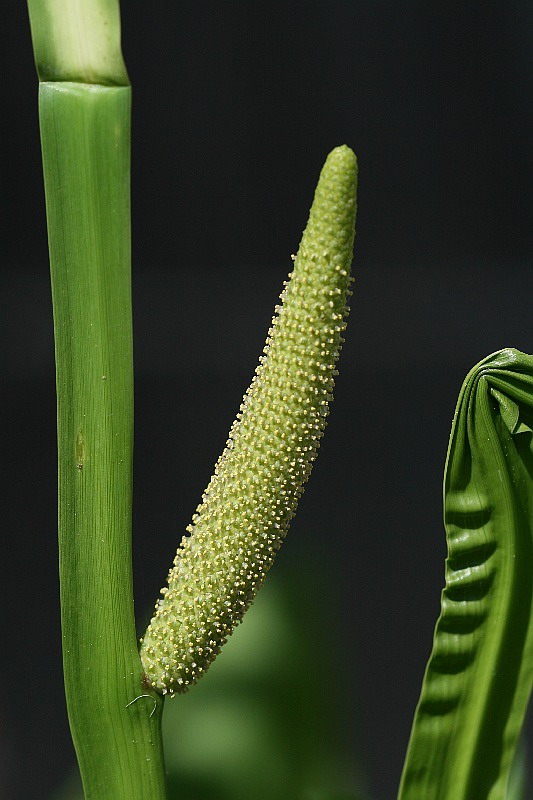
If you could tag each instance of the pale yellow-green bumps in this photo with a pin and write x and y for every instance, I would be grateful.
(246, 509)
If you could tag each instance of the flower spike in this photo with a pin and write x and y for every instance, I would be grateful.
(246, 509)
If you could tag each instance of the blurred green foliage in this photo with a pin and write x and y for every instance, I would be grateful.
(264, 722)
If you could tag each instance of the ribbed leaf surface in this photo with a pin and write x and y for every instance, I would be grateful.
(480, 673)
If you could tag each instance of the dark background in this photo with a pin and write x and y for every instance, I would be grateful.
(235, 108)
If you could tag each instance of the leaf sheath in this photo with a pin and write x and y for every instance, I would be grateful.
(85, 143)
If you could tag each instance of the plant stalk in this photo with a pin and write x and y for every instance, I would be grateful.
(84, 109)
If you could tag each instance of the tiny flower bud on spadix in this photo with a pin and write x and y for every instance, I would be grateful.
(247, 507)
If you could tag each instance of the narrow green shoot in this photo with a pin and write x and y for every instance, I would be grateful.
(479, 677)
(85, 133)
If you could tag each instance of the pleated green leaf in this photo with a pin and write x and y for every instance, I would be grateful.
(480, 673)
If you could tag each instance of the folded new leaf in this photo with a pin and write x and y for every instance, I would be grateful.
(246, 509)
(479, 677)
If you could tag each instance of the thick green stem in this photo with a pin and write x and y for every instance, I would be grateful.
(84, 106)
(115, 720)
